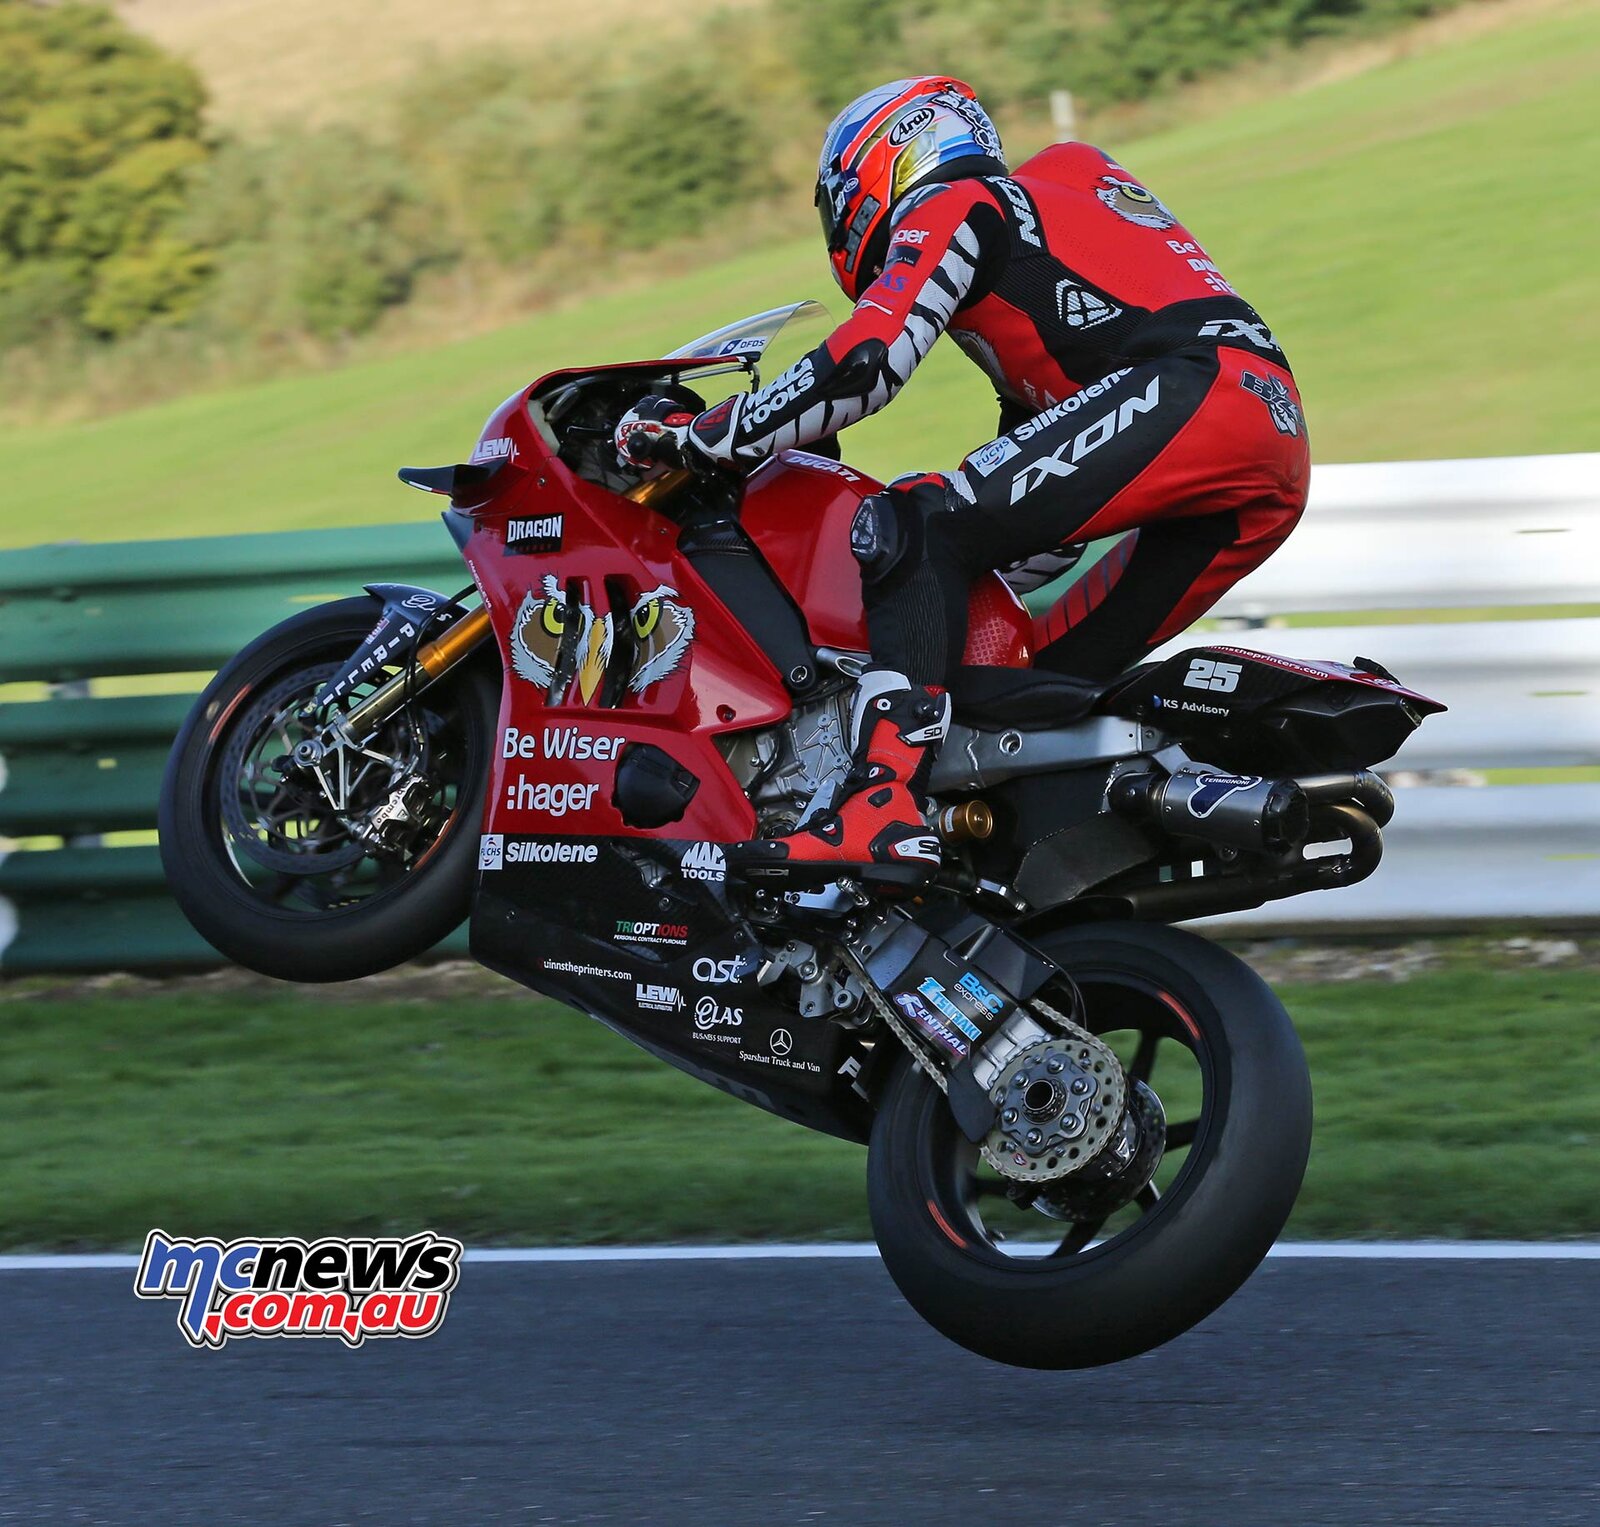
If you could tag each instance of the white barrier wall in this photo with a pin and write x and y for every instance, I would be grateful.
(1462, 855)
(1433, 535)
(1439, 535)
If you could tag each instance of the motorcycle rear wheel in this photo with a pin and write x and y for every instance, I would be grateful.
(297, 897)
(1108, 1290)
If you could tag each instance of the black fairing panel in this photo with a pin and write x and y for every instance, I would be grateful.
(1253, 710)
(735, 571)
(467, 484)
(666, 962)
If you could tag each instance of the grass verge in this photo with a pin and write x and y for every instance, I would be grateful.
(1410, 232)
(1457, 1094)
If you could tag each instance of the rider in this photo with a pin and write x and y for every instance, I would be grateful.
(1138, 393)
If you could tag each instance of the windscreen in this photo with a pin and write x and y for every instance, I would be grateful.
(769, 342)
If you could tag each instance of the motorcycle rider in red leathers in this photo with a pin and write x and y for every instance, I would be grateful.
(1138, 394)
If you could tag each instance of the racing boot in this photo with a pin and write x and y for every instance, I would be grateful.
(875, 830)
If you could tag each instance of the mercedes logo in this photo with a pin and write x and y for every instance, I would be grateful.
(782, 1042)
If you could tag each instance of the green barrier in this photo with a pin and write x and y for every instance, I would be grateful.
(144, 607)
(76, 765)
(81, 722)
(75, 794)
(89, 872)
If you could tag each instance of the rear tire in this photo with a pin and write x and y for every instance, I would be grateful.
(344, 939)
(1189, 1251)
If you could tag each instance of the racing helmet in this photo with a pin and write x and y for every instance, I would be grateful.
(890, 141)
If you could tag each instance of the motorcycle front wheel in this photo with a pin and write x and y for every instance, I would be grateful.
(1014, 1276)
(287, 870)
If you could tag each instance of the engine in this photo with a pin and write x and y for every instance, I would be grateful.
(783, 768)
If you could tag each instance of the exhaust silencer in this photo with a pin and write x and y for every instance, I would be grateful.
(1243, 811)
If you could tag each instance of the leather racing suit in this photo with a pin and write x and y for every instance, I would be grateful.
(1140, 397)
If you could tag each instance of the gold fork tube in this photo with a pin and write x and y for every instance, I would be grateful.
(444, 652)
(652, 490)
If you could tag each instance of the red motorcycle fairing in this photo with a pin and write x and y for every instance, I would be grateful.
(798, 508)
(633, 924)
(549, 549)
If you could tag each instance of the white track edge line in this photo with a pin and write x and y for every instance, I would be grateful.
(1358, 1251)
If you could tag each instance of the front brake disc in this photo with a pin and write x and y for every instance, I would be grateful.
(249, 794)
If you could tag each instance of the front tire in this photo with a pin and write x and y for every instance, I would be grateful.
(1170, 1259)
(298, 898)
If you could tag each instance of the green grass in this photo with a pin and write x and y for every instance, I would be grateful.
(1464, 1101)
(1418, 235)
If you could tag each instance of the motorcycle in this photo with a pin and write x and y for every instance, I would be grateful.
(1084, 1126)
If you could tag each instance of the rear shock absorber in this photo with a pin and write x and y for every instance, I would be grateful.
(971, 821)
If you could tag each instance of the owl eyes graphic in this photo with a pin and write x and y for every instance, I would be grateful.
(1130, 200)
(661, 628)
(539, 630)
(646, 618)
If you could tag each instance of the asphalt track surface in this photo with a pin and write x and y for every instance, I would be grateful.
(1368, 1392)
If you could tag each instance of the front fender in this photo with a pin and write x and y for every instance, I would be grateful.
(409, 612)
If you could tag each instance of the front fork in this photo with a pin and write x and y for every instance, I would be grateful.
(432, 662)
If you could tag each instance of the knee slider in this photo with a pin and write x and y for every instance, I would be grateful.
(915, 517)
(880, 535)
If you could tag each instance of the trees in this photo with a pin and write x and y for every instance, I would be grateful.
(132, 236)
(99, 133)
(312, 232)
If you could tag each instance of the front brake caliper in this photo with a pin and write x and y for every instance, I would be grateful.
(393, 824)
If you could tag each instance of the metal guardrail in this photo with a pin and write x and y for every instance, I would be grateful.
(1527, 853)
(80, 764)
(1437, 536)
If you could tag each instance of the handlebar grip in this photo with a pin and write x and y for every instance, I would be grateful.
(663, 451)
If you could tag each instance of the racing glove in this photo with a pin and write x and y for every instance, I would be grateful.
(654, 432)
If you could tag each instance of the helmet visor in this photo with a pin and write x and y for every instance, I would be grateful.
(830, 202)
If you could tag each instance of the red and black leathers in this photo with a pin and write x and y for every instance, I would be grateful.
(1138, 393)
